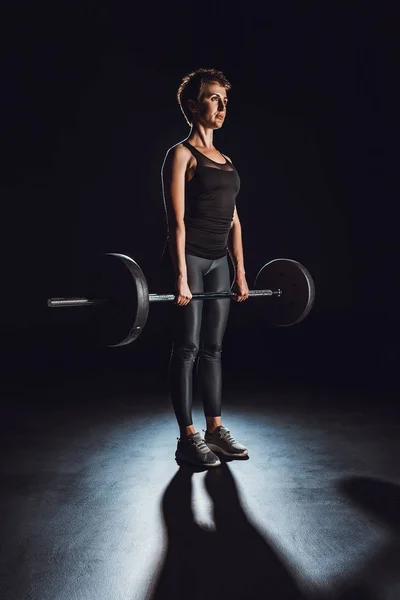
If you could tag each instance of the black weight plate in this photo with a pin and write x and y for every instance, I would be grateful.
(120, 280)
(298, 291)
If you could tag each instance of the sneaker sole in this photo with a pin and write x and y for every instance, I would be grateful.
(187, 459)
(215, 448)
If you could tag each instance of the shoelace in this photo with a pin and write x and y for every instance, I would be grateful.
(226, 435)
(201, 445)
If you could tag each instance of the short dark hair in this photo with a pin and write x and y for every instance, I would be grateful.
(193, 84)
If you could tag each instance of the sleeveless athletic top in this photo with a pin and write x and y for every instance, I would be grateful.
(209, 206)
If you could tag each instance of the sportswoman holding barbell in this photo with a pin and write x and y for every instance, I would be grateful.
(200, 186)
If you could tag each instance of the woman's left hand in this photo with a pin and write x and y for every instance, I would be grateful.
(241, 289)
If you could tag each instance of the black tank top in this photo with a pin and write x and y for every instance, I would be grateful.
(209, 206)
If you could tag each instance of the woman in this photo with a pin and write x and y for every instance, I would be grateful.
(200, 186)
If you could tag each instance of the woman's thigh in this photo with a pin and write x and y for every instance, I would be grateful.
(216, 312)
(188, 318)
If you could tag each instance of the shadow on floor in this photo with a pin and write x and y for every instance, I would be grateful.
(381, 500)
(233, 562)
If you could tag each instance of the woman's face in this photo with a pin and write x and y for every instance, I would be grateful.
(211, 108)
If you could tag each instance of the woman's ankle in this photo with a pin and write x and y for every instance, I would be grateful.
(187, 431)
(213, 423)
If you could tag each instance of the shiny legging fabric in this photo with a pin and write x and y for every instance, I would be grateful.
(199, 329)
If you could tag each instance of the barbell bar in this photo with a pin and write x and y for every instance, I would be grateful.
(71, 302)
(120, 299)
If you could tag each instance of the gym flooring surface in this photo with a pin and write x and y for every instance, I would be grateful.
(95, 506)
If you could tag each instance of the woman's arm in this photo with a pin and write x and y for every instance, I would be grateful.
(173, 183)
(235, 245)
(235, 248)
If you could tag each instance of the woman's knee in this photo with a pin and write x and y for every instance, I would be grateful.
(187, 352)
(211, 352)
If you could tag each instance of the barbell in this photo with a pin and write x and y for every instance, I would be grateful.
(119, 297)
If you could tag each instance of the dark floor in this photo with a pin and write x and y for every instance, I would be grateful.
(95, 507)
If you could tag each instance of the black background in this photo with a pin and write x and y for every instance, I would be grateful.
(89, 110)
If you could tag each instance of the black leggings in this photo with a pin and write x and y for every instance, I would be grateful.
(199, 328)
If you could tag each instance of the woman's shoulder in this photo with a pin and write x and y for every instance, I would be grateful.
(177, 150)
(177, 156)
(178, 153)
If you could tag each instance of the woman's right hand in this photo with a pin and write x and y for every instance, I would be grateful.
(183, 293)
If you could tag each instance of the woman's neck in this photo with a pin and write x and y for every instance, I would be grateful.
(201, 137)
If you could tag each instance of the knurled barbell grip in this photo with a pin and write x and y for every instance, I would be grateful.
(70, 302)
